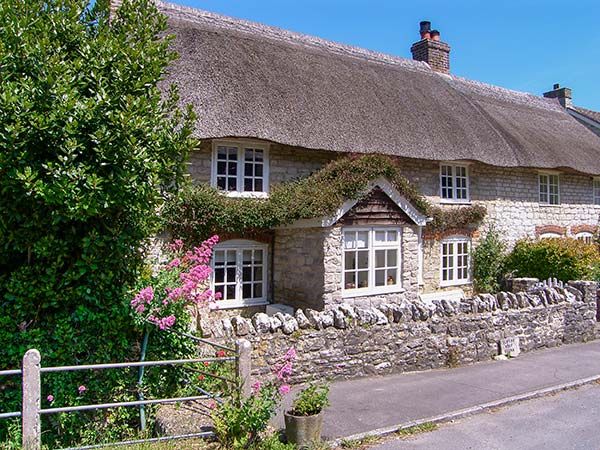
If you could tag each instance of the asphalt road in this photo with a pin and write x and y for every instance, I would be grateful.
(569, 420)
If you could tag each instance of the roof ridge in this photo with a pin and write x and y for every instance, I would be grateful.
(195, 15)
(521, 97)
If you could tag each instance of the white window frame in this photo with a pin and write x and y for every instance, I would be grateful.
(239, 245)
(454, 267)
(241, 147)
(585, 236)
(544, 188)
(372, 247)
(454, 177)
(596, 191)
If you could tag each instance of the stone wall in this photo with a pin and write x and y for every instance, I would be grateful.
(348, 342)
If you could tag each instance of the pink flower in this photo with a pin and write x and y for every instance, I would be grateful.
(284, 371)
(291, 354)
(256, 387)
(284, 389)
(81, 389)
(50, 398)
(212, 405)
(140, 308)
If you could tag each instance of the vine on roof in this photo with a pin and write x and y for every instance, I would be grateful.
(202, 211)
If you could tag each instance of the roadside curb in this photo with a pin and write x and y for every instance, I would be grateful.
(460, 413)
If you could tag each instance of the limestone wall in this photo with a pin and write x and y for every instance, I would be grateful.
(348, 342)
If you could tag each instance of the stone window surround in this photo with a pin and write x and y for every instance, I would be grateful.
(548, 176)
(387, 289)
(455, 165)
(239, 245)
(456, 281)
(240, 145)
(548, 231)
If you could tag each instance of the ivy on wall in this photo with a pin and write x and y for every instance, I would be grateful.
(201, 211)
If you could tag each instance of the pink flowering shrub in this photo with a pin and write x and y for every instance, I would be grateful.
(178, 288)
(240, 422)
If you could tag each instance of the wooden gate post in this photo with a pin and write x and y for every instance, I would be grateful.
(244, 366)
(32, 430)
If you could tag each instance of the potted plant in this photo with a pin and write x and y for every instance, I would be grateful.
(304, 423)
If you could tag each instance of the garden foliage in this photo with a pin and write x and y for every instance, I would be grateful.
(89, 146)
(201, 211)
(562, 258)
(488, 262)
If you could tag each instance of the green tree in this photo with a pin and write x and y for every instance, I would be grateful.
(90, 145)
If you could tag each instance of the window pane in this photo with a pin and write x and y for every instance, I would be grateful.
(258, 290)
(219, 275)
(363, 260)
(380, 258)
(230, 292)
(380, 236)
(362, 239)
(248, 170)
(247, 274)
(350, 280)
(231, 184)
(391, 277)
(258, 185)
(247, 290)
(258, 170)
(258, 273)
(380, 278)
(392, 258)
(230, 274)
(363, 279)
(392, 236)
(350, 260)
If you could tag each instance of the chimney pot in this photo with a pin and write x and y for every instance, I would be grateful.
(431, 50)
(556, 86)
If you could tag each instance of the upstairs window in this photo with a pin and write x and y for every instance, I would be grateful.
(454, 183)
(371, 261)
(596, 191)
(240, 168)
(549, 189)
(455, 265)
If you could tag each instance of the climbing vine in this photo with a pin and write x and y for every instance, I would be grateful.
(202, 211)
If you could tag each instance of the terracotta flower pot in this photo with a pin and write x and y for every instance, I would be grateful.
(303, 430)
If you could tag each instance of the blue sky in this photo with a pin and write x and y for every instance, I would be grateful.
(524, 45)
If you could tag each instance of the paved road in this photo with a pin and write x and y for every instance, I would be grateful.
(569, 420)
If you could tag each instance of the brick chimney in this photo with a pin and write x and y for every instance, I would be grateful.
(431, 50)
(562, 94)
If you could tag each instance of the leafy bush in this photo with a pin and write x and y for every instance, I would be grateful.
(562, 258)
(201, 211)
(488, 262)
(89, 146)
(311, 400)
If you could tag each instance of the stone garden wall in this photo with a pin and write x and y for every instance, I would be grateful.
(348, 341)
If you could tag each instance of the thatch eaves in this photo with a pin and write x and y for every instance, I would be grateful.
(250, 80)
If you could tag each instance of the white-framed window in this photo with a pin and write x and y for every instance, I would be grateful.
(596, 191)
(585, 236)
(549, 188)
(239, 273)
(240, 168)
(372, 261)
(455, 262)
(454, 183)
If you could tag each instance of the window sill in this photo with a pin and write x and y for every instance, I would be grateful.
(454, 202)
(230, 304)
(455, 283)
(368, 292)
(238, 194)
(548, 205)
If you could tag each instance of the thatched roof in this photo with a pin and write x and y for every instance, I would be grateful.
(250, 80)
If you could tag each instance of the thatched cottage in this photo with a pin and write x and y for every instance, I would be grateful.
(275, 106)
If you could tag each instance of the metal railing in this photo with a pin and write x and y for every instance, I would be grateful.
(31, 388)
